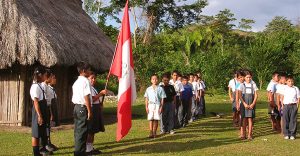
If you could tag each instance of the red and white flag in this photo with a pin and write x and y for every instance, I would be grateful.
(122, 67)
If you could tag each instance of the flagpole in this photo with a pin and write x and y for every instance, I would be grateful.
(108, 75)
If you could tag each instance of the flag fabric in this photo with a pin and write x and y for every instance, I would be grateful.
(122, 67)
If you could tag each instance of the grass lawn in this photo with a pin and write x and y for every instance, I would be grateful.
(206, 136)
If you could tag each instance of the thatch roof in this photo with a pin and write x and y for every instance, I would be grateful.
(51, 32)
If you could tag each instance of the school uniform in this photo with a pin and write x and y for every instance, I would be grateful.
(248, 95)
(167, 116)
(97, 123)
(39, 131)
(178, 106)
(186, 97)
(194, 105)
(232, 85)
(279, 90)
(273, 111)
(154, 96)
(290, 110)
(202, 99)
(53, 105)
(81, 88)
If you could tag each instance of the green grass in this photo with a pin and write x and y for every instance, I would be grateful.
(207, 136)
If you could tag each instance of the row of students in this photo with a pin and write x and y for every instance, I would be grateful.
(43, 111)
(284, 98)
(174, 102)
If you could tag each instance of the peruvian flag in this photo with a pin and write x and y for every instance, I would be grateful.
(122, 67)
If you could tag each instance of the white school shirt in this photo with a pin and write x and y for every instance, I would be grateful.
(50, 94)
(272, 86)
(291, 95)
(94, 93)
(232, 84)
(177, 85)
(154, 95)
(81, 88)
(203, 84)
(280, 88)
(36, 91)
(245, 88)
(195, 87)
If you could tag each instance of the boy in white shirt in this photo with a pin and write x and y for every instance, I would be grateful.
(154, 100)
(279, 93)
(272, 108)
(291, 99)
(178, 106)
(231, 92)
(82, 110)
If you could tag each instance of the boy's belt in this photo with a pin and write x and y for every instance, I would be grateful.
(291, 104)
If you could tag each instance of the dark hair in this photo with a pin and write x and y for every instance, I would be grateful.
(281, 74)
(195, 75)
(38, 73)
(48, 72)
(185, 77)
(93, 73)
(179, 75)
(153, 75)
(166, 75)
(247, 72)
(191, 74)
(240, 73)
(175, 71)
(275, 73)
(83, 66)
(290, 77)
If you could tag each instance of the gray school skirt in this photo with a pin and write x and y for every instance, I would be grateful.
(37, 130)
(97, 123)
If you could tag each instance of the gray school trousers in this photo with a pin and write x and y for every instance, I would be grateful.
(167, 117)
(290, 120)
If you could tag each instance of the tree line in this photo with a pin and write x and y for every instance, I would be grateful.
(171, 35)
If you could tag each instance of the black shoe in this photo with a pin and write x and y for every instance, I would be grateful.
(93, 152)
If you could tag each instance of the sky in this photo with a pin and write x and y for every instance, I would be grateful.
(261, 11)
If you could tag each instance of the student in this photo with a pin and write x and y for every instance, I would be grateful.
(178, 106)
(272, 109)
(198, 95)
(186, 100)
(240, 77)
(279, 93)
(202, 99)
(82, 110)
(96, 124)
(51, 99)
(154, 101)
(54, 102)
(291, 99)
(168, 110)
(248, 99)
(231, 92)
(39, 112)
(194, 86)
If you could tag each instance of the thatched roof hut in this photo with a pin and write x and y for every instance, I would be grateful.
(53, 33)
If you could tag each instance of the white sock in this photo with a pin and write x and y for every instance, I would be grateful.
(88, 147)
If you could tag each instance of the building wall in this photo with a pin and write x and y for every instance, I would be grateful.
(15, 101)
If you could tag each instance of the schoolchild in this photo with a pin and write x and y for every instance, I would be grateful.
(272, 107)
(154, 100)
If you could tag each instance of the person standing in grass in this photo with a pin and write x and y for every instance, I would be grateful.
(39, 113)
(231, 92)
(167, 117)
(95, 125)
(240, 77)
(194, 86)
(291, 99)
(178, 106)
(248, 99)
(272, 107)
(82, 110)
(279, 93)
(154, 100)
(186, 100)
(202, 97)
